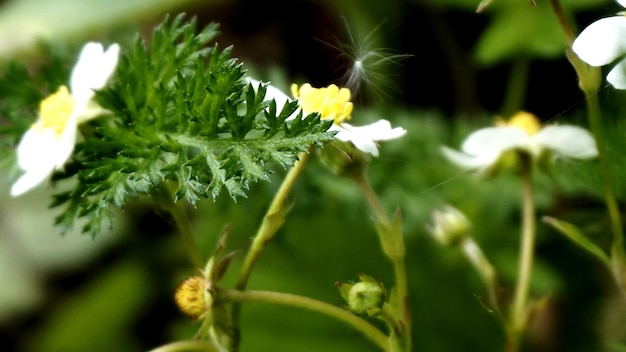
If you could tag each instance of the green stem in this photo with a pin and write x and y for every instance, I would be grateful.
(396, 328)
(589, 79)
(564, 21)
(179, 214)
(486, 271)
(272, 221)
(589, 84)
(367, 329)
(163, 197)
(516, 86)
(392, 242)
(617, 248)
(519, 311)
(187, 346)
(595, 121)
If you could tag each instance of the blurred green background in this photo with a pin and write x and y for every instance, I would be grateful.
(454, 71)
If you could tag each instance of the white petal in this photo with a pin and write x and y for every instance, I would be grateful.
(568, 141)
(378, 131)
(36, 156)
(622, 2)
(29, 180)
(364, 137)
(617, 75)
(35, 148)
(361, 142)
(469, 161)
(66, 142)
(602, 42)
(39, 152)
(92, 70)
(495, 140)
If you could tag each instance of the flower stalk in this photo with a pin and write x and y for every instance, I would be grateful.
(392, 243)
(367, 329)
(519, 310)
(272, 221)
(589, 82)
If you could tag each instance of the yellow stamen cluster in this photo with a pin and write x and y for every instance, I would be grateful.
(330, 102)
(524, 120)
(55, 110)
(189, 297)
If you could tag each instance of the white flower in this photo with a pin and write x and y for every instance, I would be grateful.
(602, 43)
(49, 142)
(523, 131)
(334, 103)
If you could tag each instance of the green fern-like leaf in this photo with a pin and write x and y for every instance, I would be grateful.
(182, 114)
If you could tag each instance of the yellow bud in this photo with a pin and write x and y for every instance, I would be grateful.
(190, 297)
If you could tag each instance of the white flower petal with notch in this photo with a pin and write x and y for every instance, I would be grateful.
(91, 72)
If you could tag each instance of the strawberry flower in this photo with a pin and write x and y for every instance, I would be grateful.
(604, 42)
(523, 132)
(334, 103)
(50, 141)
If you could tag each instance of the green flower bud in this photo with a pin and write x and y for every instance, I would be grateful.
(345, 159)
(365, 297)
(450, 226)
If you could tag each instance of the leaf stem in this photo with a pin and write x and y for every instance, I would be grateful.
(177, 210)
(367, 329)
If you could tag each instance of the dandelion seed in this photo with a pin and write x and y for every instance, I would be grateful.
(368, 71)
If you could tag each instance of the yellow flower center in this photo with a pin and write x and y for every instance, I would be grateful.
(330, 102)
(55, 110)
(524, 120)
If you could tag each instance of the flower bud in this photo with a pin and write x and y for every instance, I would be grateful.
(450, 226)
(366, 296)
(345, 159)
(190, 297)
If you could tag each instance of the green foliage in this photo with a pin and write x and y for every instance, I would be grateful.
(183, 115)
(520, 29)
